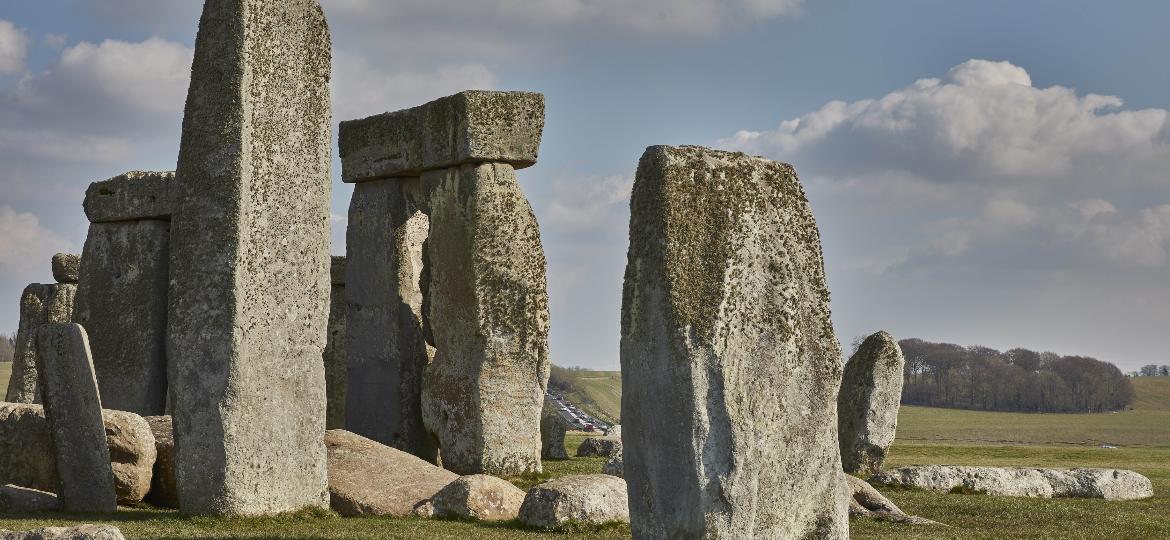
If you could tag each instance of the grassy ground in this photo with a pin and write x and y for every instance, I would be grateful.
(5, 373)
(599, 394)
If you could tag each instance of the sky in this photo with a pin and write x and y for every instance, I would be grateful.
(993, 172)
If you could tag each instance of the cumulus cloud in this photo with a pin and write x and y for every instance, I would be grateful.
(26, 247)
(13, 48)
(591, 203)
(361, 89)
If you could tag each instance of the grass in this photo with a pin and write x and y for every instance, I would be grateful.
(5, 374)
(925, 436)
(599, 393)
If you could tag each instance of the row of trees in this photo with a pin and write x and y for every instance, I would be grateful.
(7, 348)
(1018, 380)
(1152, 370)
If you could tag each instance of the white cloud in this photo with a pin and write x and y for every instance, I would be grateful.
(361, 89)
(56, 41)
(13, 48)
(26, 248)
(590, 203)
(58, 146)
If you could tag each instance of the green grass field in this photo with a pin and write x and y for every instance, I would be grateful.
(5, 374)
(925, 436)
(599, 394)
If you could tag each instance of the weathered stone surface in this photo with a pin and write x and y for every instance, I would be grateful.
(488, 314)
(80, 532)
(131, 196)
(479, 496)
(17, 499)
(730, 368)
(1111, 484)
(369, 478)
(468, 127)
(132, 454)
(74, 411)
(66, 267)
(583, 498)
(615, 465)
(122, 303)
(39, 305)
(552, 433)
(865, 501)
(249, 268)
(599, 446)
(335, 357)
(386, 350)
(163, 490)
(867, 405)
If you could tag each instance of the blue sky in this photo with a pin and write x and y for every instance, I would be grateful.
(992, 172)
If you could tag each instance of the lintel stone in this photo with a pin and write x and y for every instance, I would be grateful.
(130, 196)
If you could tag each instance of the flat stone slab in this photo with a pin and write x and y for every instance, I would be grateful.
(369, 478)
(16, 499)
(1110, 484)
(80, 532)
(66, 267)
(130, 196)
(468, 127)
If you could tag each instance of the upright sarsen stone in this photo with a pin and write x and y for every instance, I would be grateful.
(249, 286)
(334, 356)
(729, 363)
(39, 305)
(74, 412)
(867, 406)
(488, 314)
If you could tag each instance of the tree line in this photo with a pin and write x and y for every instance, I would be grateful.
(1018, 380)
(7, 348)
(1151, 370)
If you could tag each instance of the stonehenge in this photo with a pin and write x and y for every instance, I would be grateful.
(40, 305)
(334, 355)
(867, 405)
(730, 368)
(249, 262)
(447, 296)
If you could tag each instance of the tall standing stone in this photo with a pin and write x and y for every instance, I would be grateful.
(39, 305)
(74, 411)
(552, 433)
(729, 363)
(122, 295)
(335, 363)
(867, 406)
(249, 288)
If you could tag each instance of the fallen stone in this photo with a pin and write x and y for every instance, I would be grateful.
(730, 368)
(386, 350)
(74, 412)
(81, 532)
(552, 433)
(488, 314)
(599, 446)
(132, 454)
(16, 499)
(39, 305)
(163, 491)
(334, 356)
(131, 196)
(369, 478)
(468, 127)
(867, 502)
(249, 266)
(122, 303)
(66, 267)
(615, 465)
(1109, 484)
(479, 496)
(867, 405)
(584, 498)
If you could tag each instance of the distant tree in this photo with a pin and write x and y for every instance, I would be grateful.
(7, 348)
(1149, 370)
(1164, 371)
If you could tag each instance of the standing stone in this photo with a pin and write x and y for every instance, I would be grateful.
(867, 406)
(39, 305)
(249, 287)
(488, 313)
(74, 410)
(335, 364)
(66, 267)
(729, 363)
(387, 352)
(552, 433)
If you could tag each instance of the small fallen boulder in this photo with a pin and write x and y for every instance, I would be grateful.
(865, 501)
(132, 453)
(164, 491)
(599, 446)
(1110, 484)
(615, 466)
(584, 498)
(370, 478)
(478, 496)
(614, 431)
(15, 499)
(81, 532)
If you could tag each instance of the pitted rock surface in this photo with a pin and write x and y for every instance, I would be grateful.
(583, 498)
(479, 496)
(552, 433)
(867, 406)
(335, 353)
(369, 478)
(730, 368)
(163, 491)
(39, 305)
(1110, 484)
(615, 465)
(66, 267)
(16, 499)
(131, 196)
(599, 446)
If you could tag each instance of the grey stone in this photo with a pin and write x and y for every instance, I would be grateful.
(1110, 484)
(488, 315)
(552, 433)
(479, 496)
(132, 454)
(39, 305)
(163, 489)
(122, 303)
(249, 289)
(369, 478)
(583, 498)
(16, 499)
(615, 465)
(599, 446)
(80, 532)
(335, 350)
(730, 368)
(614, 431)
(74, 411)
(66, 267)
(468, 127)
(867, 405)
(386, 350)
(131, 196)
(867, 502)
